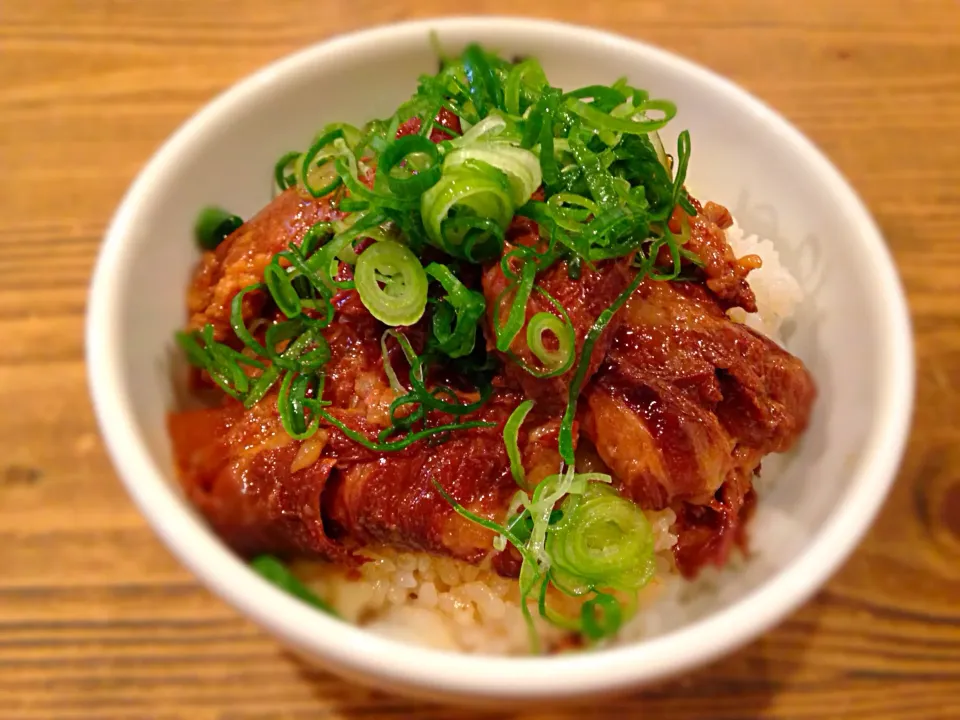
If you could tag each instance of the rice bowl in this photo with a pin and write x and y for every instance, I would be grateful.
(812, 520)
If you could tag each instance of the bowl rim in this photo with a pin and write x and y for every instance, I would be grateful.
(359, 653)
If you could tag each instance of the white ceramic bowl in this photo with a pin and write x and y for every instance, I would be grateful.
(852, 331)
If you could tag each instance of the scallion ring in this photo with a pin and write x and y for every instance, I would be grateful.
(392, 283)
(521, 166)
(474, 187)
(415, 184)
(604, 539)
(600, 120)
(284, 172)
(320, 145)
(544, 322)
(601, 616)
(214, 225)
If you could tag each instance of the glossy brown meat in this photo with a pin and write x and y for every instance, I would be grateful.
(261, 490)
(583, 299)
(724, 273)
(249, 479)
(392, 500)
(687, 404)
(240, 259)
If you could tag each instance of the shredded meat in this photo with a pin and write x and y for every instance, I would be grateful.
(725, 275)
(686, 405)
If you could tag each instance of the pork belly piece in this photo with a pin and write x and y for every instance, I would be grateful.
(258, 487)
(685, 407)
(240, 259)
(583, 299)
(249, 480)
(391, 498)
(261, 490)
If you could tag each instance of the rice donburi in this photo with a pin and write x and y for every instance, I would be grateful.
(485, 373)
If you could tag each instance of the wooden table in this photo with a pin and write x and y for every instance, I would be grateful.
(98, 621)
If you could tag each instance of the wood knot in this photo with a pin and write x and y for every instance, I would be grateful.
(937, 497)
(950, 510)
(20, 475)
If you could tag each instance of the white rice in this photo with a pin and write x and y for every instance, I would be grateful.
(452, 605)
(778, 293)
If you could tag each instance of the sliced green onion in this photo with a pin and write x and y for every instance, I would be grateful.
(321, 149)
(657, 143)
(214, 225)
(271, 569)
(604, 539)
(599, 180)
(403, 296)
(480, 238)
(479, 519)
(511, 430)
(601, 616)
(546, 322)
(521, 167)
(562, 210)
(604, 121)
(475, 187)
(670, 243)
(413, 185)
(571, 585)
(292, 406)
(515, 519)
(221, 362)
(403, 442)
(268, 378)
(387, 365)
(602, 97)
(284, 173)
(561, 621)
(347, 173)
(683, 158)
(456, 317)
(527, 74)
(323, 261)
(237, 322)
(281, 289)
(548, 162)
(492, 129)
(484, 89)
(518, 309)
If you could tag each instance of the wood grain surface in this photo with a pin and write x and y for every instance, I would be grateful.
(98, 621)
